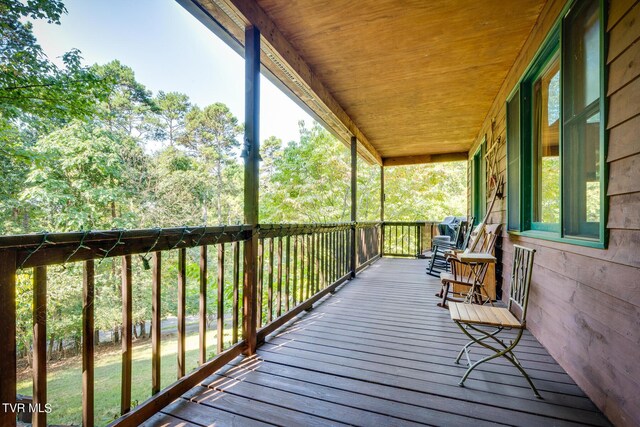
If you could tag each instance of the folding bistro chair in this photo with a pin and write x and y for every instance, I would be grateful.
(483, 323)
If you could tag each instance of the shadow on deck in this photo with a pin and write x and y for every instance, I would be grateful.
(379, 352)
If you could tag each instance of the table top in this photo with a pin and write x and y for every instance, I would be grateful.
(477, 257)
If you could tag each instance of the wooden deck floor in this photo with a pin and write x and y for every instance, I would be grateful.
(380, 353)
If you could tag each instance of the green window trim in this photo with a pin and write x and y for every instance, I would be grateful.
(479, 183)
(573, 226)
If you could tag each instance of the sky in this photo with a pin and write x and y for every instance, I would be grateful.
(170, 50)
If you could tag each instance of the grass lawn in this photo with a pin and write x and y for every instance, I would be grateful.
(64, 378)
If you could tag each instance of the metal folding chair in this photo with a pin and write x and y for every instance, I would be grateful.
(483, 323)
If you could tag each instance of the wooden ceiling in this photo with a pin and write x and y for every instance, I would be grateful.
(415, 78)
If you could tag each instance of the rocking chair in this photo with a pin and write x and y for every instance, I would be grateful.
(468, 272)
(475, 322)
(438, 262)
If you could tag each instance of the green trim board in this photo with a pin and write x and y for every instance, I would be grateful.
(581, 175)
(479, 182)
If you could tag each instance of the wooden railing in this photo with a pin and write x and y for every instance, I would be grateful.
(406, 239)
(367, 243)
(296, 265)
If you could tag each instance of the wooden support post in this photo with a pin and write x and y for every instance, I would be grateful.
(127, 342)
(182, 302)
(8, 334)
(382, 197)
(40, 344)
(354, 191)
(88, 313)
(251, 155)
(203, 304)
(156, 321)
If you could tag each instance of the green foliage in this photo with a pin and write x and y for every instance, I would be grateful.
(75, 154)
(79, 177)
(425, 192)
(30, 84)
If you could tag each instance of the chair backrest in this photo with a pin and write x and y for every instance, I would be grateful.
(485, 238)
(520, 281)
(467, 233)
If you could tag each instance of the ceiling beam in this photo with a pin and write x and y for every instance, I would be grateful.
(250, 11)
(426, 158)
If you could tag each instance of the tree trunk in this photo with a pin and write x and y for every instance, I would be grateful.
(116, 335)
(143, 329)
(96, 337)
(51, 342)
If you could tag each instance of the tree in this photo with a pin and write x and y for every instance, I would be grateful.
(30, 84)
(312, 180)
(79, 175)
(168, 122)
(129, 104)
(212, 137)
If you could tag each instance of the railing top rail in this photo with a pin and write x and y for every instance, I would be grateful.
(60, 248)
(410, 222)
(75, 237)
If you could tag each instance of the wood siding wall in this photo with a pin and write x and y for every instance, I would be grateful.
(585, 302)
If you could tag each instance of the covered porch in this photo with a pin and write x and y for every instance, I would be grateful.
(324, 328)
(380, 352)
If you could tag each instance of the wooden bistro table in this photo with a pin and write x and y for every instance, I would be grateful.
(477, 262)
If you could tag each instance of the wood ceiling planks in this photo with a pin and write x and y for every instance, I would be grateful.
(407, 77)
(417, 77)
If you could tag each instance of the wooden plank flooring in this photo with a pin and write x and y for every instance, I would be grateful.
(380, 353)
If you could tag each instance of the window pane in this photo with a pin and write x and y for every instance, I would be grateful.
(581, 142)
(582, 60)
(513, 162)
(546, 128)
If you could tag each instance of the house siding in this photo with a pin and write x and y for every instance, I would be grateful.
(585, 302)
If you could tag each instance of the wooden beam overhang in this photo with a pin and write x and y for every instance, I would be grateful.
(281, 64)
(427, 158)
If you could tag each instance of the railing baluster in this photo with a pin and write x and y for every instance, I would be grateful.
(279, 283)
(303, 254)
(156, 321)
(8, 333)
(125, 395)
(310, 271)
(331, 257)
(182, 301)
(220, 310)
(270, 287)
(323, 257)
(88, 312)
(203, 304)
(259, 314)
(236, 296)
(40, 344)
(287, 272)
(294, 287)
(316, 267)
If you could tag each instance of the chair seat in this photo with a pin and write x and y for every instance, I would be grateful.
(449, 277)
(483, 315)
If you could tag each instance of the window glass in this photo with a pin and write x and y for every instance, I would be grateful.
(582, 124)
(546, 138)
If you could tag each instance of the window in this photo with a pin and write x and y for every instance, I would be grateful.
(555, 135)
(479, 183)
